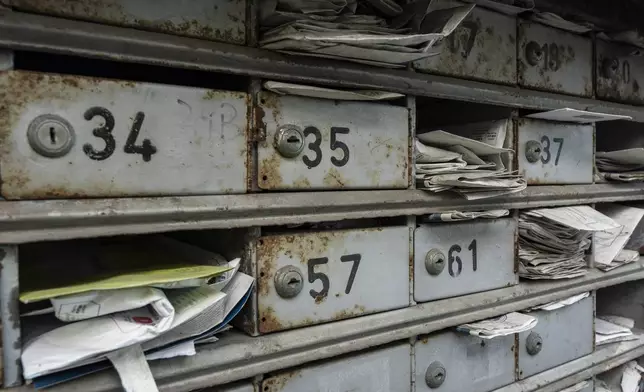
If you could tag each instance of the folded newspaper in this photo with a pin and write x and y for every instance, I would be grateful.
(611, 329)
(457, 216)
(609, 244)
(580, 387)
(554, 305)
(621, 165)
(508, 324)
(378, 32)
(554, 242)
(284, 88)
(471, 166)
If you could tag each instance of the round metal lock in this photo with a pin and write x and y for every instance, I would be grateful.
(533, 53)
(434, 262)
(289, 141)
(533, 343)
(288, 281)
(51, 136)
(435, 375)
(532, 151)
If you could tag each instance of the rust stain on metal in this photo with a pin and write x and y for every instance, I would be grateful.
(302, 183)
(268, 321)
(278, 382)
(269, 173)
(334, 179)
(616, 73)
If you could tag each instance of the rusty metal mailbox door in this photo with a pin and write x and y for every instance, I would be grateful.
(218, 20)
(385, 369)
(620, 72)
(311, 278)
(554, 60)
(324, 144)
(551, 152)
(69, 136)
(560, 336)
(452, 259)
(483, 47)
(453, 362)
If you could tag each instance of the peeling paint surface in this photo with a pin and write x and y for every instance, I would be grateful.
(572, 144)
(347, 145)
(483, 47)
(563, 61)
(482, 258)
(345, 273)
(620, 72)
(383, 370)
(131, 139)
(218, 20)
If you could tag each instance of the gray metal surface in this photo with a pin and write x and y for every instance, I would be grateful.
(241, 387)
(29, 221)
(131, 139)
(41, 33)
(383, 370)
(566, 155)
(561, 341)
(478, 256)
(237, 356)
(483, 47)
(10, 316)
(554, 60)
(339, 269)
(219, 20)
(619, 72)
(471, 364)
(347, 145)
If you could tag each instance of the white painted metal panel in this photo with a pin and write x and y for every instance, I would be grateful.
(346, 145)
(477, 256)
(127, 139)
(342, 274)
(384, 370)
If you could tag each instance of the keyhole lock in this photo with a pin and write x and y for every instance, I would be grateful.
(533, 53)
(434, 262)
(288, 281)
(610, 68)
(289, 141)
(533, 343)
(532, 151)
(435, 375)
(51, 136)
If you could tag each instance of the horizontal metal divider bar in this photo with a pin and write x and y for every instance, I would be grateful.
(22, 31)
(237, 356)
(604, 358)
(30, 221)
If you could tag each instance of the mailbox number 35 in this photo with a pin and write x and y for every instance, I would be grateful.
(335, 144)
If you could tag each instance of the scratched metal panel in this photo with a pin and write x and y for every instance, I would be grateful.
(219, 20)
(347, 145)
(620, 72)
(483, 47)
(471, 364)
(477, 256)
(566, 152)
(384, 370)
(554, 60)
(567, 333)
(127, 139)
(344, 273)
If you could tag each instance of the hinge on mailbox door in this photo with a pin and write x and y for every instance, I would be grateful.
(258, 126)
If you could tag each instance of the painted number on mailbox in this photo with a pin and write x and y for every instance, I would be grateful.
(310, 278)
(620, 72)
(462, 258)
(325, 144)
(70, 136)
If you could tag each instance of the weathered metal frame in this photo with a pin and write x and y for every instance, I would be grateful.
(49, 220)
(20, 31)
(237, 356)
(10, 316)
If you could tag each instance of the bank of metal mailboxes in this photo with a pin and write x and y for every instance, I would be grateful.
(554, 60)
(619, 72)
(326, 144)
(218, 20)
(482, 47)
(560, 336)
(453, 259)
(385, 369)
(552, 152)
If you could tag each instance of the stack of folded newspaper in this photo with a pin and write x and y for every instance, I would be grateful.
(384, 33)
(622, 165)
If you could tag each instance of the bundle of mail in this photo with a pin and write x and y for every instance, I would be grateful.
(386, 33)
(127, 301)
(612, 329)
(622, 165)
(613, 247)
(507, 324)
(553, 242)
(472, 168)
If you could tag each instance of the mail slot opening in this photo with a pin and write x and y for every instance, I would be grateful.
(619, 152)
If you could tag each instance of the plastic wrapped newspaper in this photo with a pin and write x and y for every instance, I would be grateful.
(508, 324)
